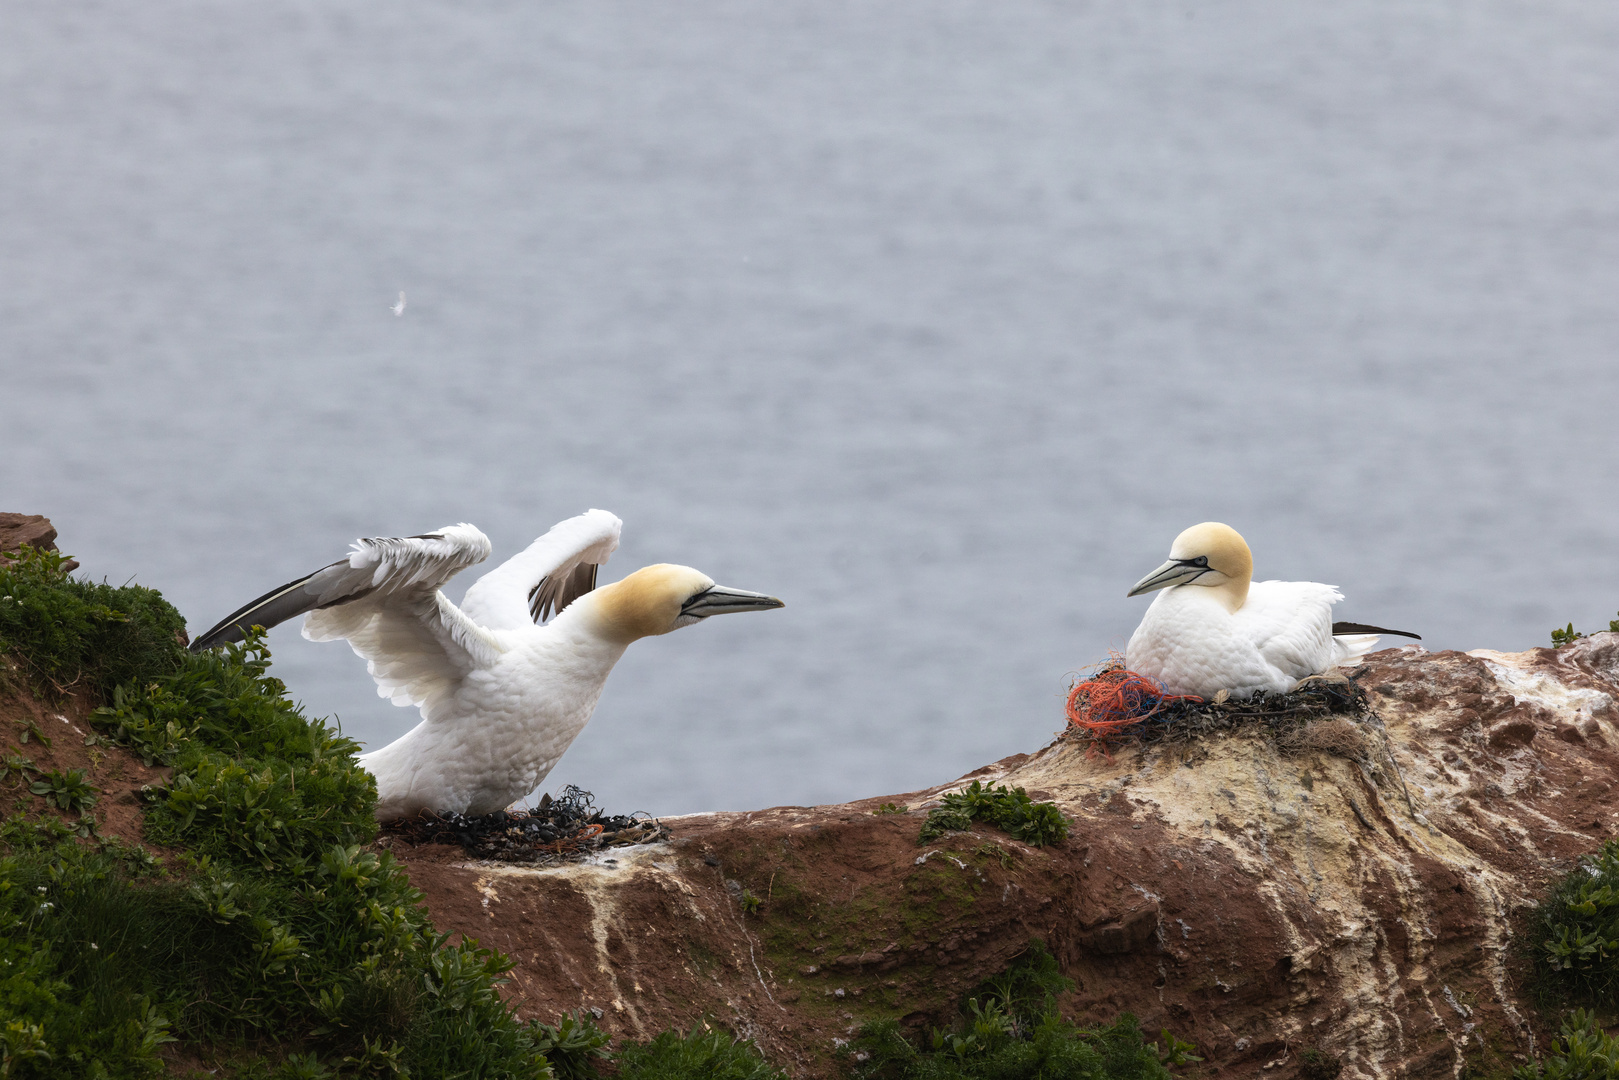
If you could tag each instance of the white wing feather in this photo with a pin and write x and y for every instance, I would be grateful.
(416, 644)
(500, 599)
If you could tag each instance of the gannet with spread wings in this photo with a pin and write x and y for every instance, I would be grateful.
(505, 681)
(1214, 628)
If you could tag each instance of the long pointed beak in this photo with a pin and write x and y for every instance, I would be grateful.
(1173, 572)
(722, 601)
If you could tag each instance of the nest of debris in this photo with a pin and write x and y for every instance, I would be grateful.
(1328, 713)
(564, 829)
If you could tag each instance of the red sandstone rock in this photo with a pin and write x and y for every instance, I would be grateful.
(34, 530)
(1253, 902)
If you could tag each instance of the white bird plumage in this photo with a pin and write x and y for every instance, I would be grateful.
(1213, 628)
(502, 691)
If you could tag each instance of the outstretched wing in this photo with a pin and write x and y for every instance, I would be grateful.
(546, 576)
(385, 600)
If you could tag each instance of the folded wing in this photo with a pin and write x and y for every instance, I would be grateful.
(384, 600)
(1290, 622)
(546, 576)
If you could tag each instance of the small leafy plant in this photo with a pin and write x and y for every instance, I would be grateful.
(573, 1045)
(1568, 635)
(1583, 1051)
(68, 791)
(1006, 808)
(16, 765)
(1576, 930)
(890, 808)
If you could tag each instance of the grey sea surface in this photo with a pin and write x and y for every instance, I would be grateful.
(938, 320)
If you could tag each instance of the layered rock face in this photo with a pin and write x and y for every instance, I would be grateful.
(35, 530)
(1258, 900)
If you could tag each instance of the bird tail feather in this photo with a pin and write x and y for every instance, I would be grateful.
(1349, 648)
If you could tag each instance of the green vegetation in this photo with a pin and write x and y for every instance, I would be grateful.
(77, 634)
(710, 1055)
(1575, 932)
(1582, 1052)
(1568, 635)
(1006, 808)
(1315, 1064)
(277, 932)
(1010, 1030)
(1573, 937)
(254, 780)
(65, 791)
(573, 1045)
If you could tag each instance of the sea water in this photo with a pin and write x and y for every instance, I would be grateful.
(937, 320)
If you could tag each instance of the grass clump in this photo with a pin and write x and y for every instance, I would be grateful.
(1583, 1051)
(77, 634)
(1010, 1029)
(1574, 933)
(696, 1055)
(1007, 808)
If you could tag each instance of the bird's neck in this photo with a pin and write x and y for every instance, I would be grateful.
(588, 627)
(1231, 595)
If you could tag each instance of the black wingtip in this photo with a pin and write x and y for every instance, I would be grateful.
(224, 634)
(1367, 628)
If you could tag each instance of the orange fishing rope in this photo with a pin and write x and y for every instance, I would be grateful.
(1105, 705)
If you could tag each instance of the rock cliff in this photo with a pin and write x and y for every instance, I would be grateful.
(1259, 900)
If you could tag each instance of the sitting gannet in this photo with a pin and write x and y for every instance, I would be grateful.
(502, 690)
(1211, 630)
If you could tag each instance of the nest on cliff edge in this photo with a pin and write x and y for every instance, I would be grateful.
(1327, 713)
(564, 829)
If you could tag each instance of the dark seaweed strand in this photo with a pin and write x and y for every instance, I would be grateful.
(1183, 721)
(557, 830)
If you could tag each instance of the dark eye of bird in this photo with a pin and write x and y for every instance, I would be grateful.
(1201, 560)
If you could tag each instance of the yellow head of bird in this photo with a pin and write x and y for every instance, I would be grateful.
(663, 597)
(1213, 555)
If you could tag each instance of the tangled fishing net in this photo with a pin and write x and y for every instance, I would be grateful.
(1110, 703)
(558, 830)
(1115, 705)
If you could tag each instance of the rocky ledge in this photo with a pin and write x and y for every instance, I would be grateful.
(1355, 898)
